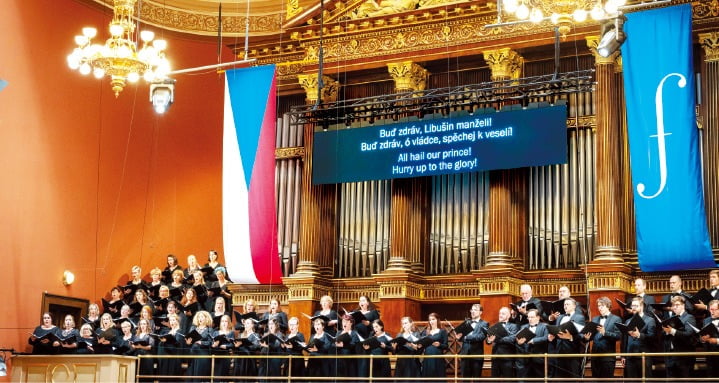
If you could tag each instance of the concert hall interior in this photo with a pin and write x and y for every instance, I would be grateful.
(97, 182)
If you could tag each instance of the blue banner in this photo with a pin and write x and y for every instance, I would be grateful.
(663, 140)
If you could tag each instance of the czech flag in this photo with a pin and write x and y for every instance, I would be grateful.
(248, 176)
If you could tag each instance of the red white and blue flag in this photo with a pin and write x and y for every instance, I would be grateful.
(248, 176)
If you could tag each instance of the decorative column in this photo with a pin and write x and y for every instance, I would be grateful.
(410, 220)
(709, 114)
(318, 222)
(607, 273)
(507, 188)
(308, 82)
(409, 223)
(408, 76)
(608, 181)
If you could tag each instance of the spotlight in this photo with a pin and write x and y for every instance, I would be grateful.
(162, 94)
(612, 36)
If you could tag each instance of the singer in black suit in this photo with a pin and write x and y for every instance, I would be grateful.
(712, 344)
(638, 340)
(680, 340)
(605, 340)
(473, 343)
(503, 367)
(567, 343)
(532, 367)
(675, 284)
(522, 306)
(713, 290)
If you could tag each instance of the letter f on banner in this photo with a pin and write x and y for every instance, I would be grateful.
(661, 144)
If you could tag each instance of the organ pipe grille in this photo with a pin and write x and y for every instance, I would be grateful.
(561, 199)
(364, 228)
(288, 184)
(459, 233)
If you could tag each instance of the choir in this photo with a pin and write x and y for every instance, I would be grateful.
(184, 312)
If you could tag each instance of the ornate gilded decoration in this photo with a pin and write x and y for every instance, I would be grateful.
(371, 8)
(309, 84)
(189, 21)
(705, 9)
(412, 38)
(504, 63)
(609, 281)
(593, 44)
(293, 9)
(408, 76)
(290, 152)
(710, 43)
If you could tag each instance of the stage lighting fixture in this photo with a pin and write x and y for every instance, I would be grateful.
(162, 94)
(612, 36)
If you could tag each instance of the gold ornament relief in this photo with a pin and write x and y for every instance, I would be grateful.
(710, 43)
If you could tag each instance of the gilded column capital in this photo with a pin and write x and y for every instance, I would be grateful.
(710, 43)
(504, 63)
(330, 88)
(593, 44)
(408, 76)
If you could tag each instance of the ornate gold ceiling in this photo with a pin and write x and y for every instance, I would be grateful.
(199, 17)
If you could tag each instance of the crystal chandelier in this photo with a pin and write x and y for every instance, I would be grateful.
(563, 13)
(119, 57)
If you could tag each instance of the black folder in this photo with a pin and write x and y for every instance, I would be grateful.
(673, 322)
(222, 338)
(635, 322)
(240, 318)
(357, 316)
(702, 296)
(525, 333)
(425, 341)
(243, 342)
(140, 342)
(624, 305)
(709, 329)
(553, 306)
(194, 335)
(464, 328)
(528, 306)
(590, 328)
(168, 338)
(109, 334)
(566, 326)
(497, 330)
(345, 338)
(112, 308)
(271, 338)
(372, 342)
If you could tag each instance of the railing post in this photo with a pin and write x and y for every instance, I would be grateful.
(644, 367)
(546, 367)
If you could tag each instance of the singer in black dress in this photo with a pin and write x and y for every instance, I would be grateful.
(171, 346)
(41, 344)
(434, 367)
(200, 366)
(407, 367)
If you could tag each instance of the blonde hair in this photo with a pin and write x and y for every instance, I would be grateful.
(327, 298)
(206, 315)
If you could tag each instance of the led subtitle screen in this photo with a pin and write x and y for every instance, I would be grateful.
(499, 140)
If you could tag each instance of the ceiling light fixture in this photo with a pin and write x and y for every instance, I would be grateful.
(563, 13)
(119, 58)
